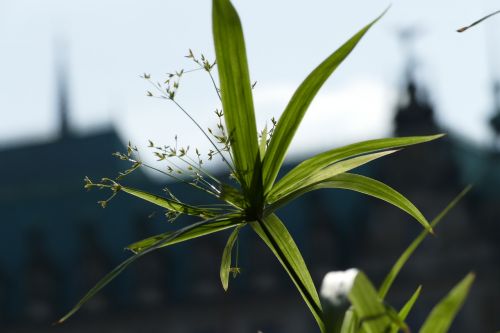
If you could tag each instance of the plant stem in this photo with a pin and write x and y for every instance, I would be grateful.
(204, 133)
(478, 21)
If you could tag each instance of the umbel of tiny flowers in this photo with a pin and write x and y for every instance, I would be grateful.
(252, 196)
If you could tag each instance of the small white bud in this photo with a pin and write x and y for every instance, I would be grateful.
(336, 286)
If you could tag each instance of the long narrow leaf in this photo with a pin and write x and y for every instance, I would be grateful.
(405, 310)
(225, 266)
(478, 21)
(391, 276)
(118, 269)
(202, 230)
(101, 284)
(441, 317)
(328, 172)
(349, 325)
(232, 196)
(369, 308)
(170, 204)
(365, 185)
(327, 158)
(274, 233)
(236, 92)
(343, 288)
(298, 105)
(396, 320)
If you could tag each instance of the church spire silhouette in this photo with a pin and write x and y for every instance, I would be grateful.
(415, 114)
(495, 119)
(62, 98)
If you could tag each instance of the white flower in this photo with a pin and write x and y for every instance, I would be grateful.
(336, 286)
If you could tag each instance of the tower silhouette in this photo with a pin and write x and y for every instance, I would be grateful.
(62, 96)
(414, 115)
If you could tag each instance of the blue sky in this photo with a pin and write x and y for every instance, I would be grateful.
(110, 43)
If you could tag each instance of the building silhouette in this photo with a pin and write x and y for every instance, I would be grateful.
(55, 243)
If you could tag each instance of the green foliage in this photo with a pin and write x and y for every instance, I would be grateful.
(254, 165)
(160, 242)
(298, 105)
(276, 236)
(331, 157)
(369, 309)
(441, 317)
(362, 184)
(386, 285)
(236, 94)
(405, 311)
(225, 266)
(368, 312)
(356, 317)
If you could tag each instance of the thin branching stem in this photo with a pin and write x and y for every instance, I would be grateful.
(200, 177)
(162, 93)
(179, 179)
(208, 184)
(196, 123)
(193, 70)
(210, 188)
(217, 91)
(215, 85)
(204, 133)
(193, 163)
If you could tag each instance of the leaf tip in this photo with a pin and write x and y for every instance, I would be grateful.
(437, 136)
(60, 320)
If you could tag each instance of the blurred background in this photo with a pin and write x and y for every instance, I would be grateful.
(71, 96)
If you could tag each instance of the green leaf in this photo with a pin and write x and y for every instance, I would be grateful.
(169, 204)
(118, 269)
(236, 93)
(441, 317)
(202, 230)
(101, 284)
(389, 279)
(343, 288)
(298, 105)
(327, 173)
(369, 308)
(362, 184)
(396, 320)
(225, 266)
(327, 158)
(405, 310)
(349, 323)
(232, 196)
(278, 239)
